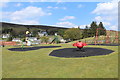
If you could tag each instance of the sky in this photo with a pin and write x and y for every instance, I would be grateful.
(61, 14)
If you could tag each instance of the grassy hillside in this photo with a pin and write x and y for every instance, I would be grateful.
(20, 28)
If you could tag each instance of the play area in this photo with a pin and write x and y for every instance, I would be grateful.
(78, 59)
(61, 60)
(71, 52)
(59, 39)
(79, 51)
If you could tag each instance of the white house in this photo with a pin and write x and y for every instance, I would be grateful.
(17, 40)
(5, 35)
(44, 33)
(32, 38)
(62, 40)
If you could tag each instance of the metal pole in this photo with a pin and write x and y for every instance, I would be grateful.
(96, 37)
(116, 37)
(107, 38)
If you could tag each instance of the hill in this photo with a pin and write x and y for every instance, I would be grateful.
(20, 28)
(45, 27)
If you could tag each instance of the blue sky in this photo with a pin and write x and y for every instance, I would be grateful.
(62, 14)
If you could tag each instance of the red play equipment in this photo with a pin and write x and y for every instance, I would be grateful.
(79, 44)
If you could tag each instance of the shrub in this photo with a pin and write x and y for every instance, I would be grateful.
(44, 39)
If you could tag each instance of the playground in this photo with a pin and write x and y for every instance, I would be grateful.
(40, 64)
(60, 60)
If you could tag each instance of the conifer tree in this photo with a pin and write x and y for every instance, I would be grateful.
(102, 30)
(85, 32)
(93, 28)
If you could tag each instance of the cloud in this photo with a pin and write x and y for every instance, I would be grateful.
(80, 5)
(18, 4)
(64, 8)
(28, 15)
(114, 27)
(98, 18)
(67, 18)
(66, 24)
(3, 4)
(106, 8)
(106, 23)
(29, 12)
(59, 2)
(107, 13)
(84, 26)
(5, 1)
(51, 7)
(32, 1)
(49, 13)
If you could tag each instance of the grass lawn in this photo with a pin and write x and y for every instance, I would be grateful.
(38, 64)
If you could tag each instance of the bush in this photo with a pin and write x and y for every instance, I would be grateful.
(23, 40)
(73, 34)
(44, 39)
(10, 38)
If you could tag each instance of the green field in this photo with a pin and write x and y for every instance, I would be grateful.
(38, 64)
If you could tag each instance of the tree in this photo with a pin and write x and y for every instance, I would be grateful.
(34, 33)
(93, 28)
(10, 38)
(102, 30)
(86, 32)
(52, 31)
(73, 34)
(44, 39)
(13, 33)
(61, 32)
(23, 39)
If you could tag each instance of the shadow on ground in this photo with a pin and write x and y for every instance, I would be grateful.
(74, 52)
(31, 48)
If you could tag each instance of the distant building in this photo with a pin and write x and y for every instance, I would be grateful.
(32, 38)
(62, 40)
(5, 35)
(17, 40)
(42, 33)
